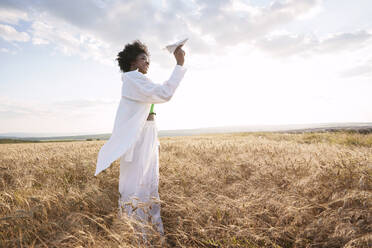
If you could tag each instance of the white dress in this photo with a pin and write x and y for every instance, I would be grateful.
(134, 140)
(139, 179)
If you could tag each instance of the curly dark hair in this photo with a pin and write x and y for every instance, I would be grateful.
(130, 53)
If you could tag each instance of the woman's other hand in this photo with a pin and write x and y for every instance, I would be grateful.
(179, 54)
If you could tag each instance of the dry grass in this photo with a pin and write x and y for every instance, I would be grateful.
(226, 190)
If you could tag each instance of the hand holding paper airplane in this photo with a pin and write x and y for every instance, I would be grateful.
(179, 54)
(176, 49)
(172, 47)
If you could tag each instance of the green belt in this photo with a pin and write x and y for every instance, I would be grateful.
(152, 109)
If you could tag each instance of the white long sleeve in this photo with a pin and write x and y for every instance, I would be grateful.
(138, 92)
(136, 86)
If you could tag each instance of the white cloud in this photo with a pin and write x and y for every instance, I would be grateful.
(230, 25)
(98, 29)
(44, 33)
(12, 16)
(9, 33)
(210, 25)
(85, 103)
(4, 50)
(75, 115)
(285, 44)
(11, 108)
(344, 41)
(364, 70)
(69, 40)
(39, 41)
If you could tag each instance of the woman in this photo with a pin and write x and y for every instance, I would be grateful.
(134, 137)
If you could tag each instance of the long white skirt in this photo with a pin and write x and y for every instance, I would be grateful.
(139, 179)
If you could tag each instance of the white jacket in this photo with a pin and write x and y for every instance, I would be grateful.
(137, 94)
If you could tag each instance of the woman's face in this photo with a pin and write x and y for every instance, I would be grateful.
(142, 62)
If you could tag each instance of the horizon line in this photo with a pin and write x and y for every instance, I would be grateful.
(56, 134)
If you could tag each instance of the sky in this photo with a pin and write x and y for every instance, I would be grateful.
(249, 62)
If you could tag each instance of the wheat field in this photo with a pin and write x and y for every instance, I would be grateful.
(223, 190)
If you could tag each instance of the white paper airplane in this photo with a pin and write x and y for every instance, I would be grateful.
(173, 46)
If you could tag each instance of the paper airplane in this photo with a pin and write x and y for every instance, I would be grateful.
(173, 46)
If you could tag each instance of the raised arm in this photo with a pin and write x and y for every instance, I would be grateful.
(138, 87)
